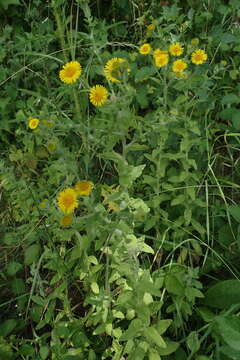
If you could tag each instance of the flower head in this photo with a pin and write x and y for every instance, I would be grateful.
(159, 52)
(114, 69)
(198, 57)
(70, 72)
(98, 95)
(33, 123)
(161, 59)
(83, 187)
(179, 66)
(151, 27)
(66, 220)
(67, 200)
(145, 49)
(194, 42)
(43, 204)
(176, 49)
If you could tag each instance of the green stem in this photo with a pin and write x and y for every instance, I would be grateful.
(60, 31)
(61, 35)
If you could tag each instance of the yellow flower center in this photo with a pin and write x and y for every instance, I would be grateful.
(68, 200)
(70, 71)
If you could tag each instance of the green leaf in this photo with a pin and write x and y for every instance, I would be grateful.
(152, 335)
(144, 73)
(171, 347)
(153, 355)
(31, 254)
(235, 212)
(18, 286)
(193, 342)
(128, 174)
(162, 325)
(227, 114)
(229, 352)
(229, 328)
(13, 267)
(5, 3)
(173, 285)
(134, 328)
(95, 288)
(223, 294)
(7, 327)
(230, 99)
(44, 351)
(147, 298)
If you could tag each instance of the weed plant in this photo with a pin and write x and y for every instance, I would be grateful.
(119, 180)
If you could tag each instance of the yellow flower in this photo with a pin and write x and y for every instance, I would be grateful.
(159, 52)
(112, 206)
(223, 62)
(98, 95)
(176, 49)
(33, 123)
(114, 69)
(83, 187)
(198, 57)
(151, 27)
(161, 59)
(181, 75)
(67, 200)
(145, 49)
(194, 41)
(51, 147)
(43, 204)
(179, 66)
(70, 72)
(66, 220)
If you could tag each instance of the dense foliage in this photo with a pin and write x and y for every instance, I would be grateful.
(119, 180)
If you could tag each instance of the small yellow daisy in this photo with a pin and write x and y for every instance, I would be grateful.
(161, 59)
(33, 123)
(70, 72)
(179, 66)
(198, 57)
(66, 220)
(159, 52)
(195, 42)
(145, 49)
(83, 187)
(114, 69)
(151, 27)
(98, 95)
(67, 200)
(43, 204)
(176, 49)
(51, 146)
